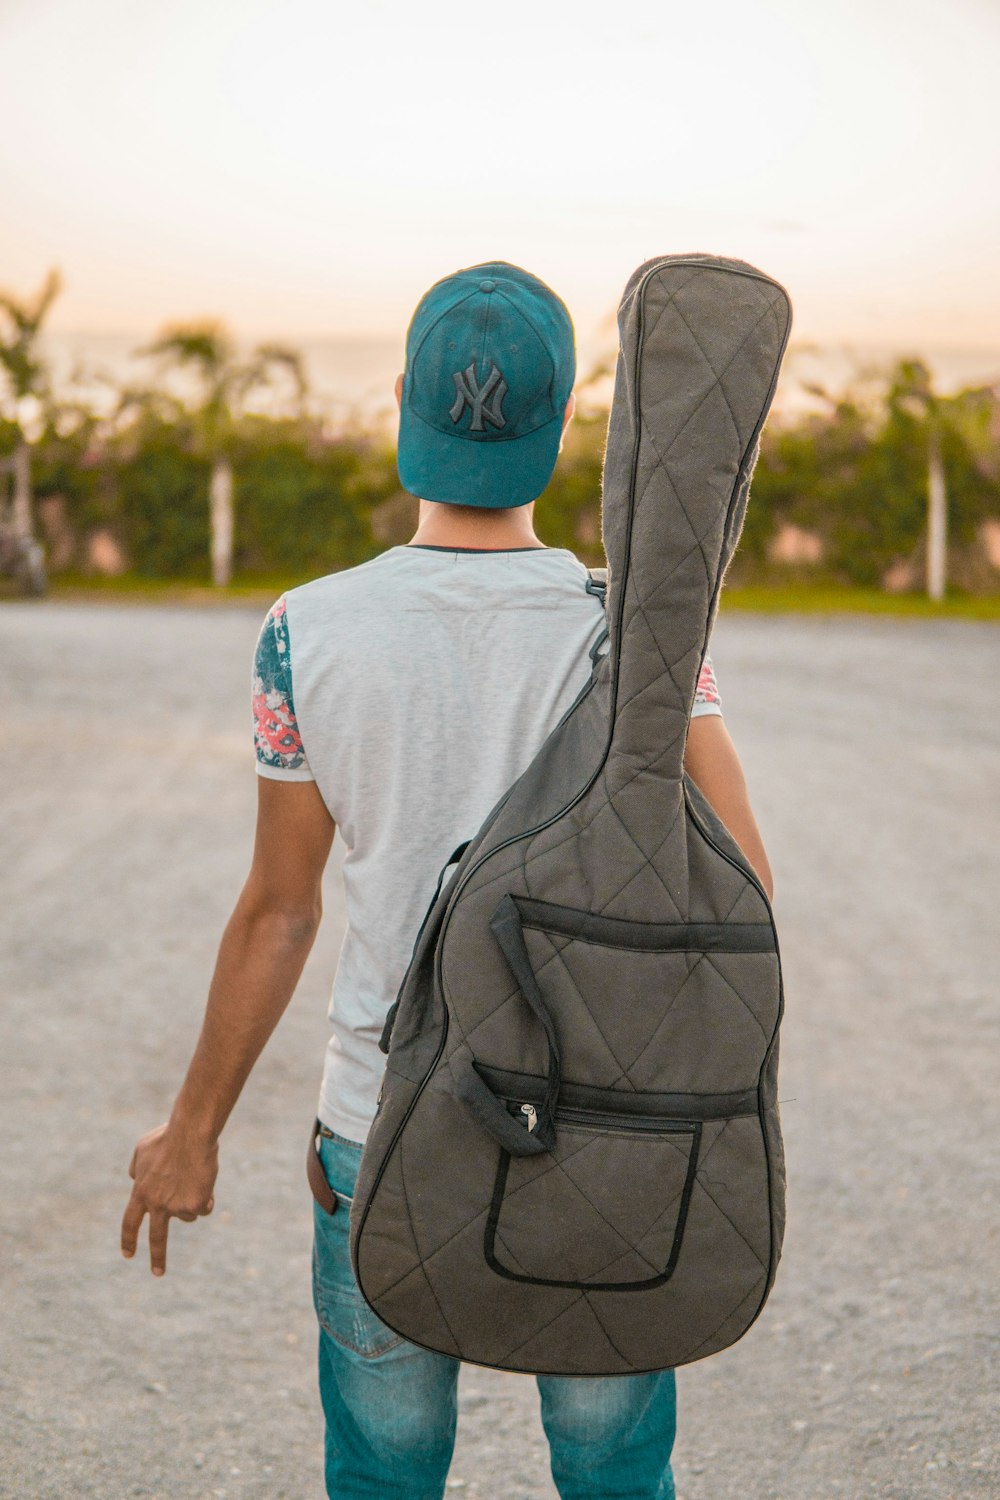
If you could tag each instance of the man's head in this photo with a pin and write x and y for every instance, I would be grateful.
(487, 390)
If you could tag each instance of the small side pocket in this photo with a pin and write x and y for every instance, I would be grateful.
(605, 1209)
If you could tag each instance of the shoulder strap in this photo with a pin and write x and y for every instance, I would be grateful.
(597, 583)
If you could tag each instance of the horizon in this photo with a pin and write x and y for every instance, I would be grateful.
(352, 376)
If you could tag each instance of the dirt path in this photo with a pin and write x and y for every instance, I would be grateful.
(871, 747)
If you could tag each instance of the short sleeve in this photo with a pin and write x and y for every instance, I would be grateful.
(706, 698)
(278, 743)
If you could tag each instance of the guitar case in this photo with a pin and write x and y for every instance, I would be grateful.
(576, 1166)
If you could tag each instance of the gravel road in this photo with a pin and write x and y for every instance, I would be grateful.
(871, 748)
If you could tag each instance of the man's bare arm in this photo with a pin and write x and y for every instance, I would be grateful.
(263, 950)
(712, 763)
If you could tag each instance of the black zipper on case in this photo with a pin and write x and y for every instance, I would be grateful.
(604, 1121)
(623, 1124)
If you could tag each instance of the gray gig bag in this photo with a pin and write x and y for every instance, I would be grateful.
(576, 1167)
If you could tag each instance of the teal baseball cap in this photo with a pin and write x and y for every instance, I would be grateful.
(490, 364)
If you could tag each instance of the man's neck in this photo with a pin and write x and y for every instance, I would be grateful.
(466, 526)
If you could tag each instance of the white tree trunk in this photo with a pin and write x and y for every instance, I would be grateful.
(221, 498)
(937, 519)
(22, 490)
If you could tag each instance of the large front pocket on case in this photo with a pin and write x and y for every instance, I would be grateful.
(604, 1209)
(689, 1005)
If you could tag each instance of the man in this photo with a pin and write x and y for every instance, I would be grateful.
(398, 700)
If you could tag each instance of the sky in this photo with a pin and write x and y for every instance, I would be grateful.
(305, 169)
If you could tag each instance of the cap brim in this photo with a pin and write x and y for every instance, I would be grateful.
(495, 474)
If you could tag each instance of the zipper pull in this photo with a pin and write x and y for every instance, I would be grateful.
(530, 1116)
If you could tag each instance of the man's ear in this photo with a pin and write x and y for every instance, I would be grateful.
(399, 390)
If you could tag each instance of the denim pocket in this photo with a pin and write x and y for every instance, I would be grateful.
(342, 1311)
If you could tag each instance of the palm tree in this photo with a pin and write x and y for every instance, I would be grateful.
(224, 384)
(20, 325)
(913, 392)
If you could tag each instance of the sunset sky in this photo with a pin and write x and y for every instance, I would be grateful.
(306, 168)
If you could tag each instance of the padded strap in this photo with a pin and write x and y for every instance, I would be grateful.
(390, 1019)
(505, 924)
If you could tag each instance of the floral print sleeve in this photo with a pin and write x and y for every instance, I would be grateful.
(276, 732)
(706, 698)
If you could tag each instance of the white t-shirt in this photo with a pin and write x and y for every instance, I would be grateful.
(414, 690)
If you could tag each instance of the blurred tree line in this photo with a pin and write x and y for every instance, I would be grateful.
(839, 494)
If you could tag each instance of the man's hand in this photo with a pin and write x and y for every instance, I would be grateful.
(265, 944)
(172, 1178)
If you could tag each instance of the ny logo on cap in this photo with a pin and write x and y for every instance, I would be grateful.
(486, 400)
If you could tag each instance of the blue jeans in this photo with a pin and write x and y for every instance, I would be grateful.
(391, 1407)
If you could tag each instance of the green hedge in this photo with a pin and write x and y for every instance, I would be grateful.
(304, 504)
(854, 473)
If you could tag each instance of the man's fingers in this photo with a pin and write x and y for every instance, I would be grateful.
(131, 1222)
(159, 1223)
(170, 1180)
